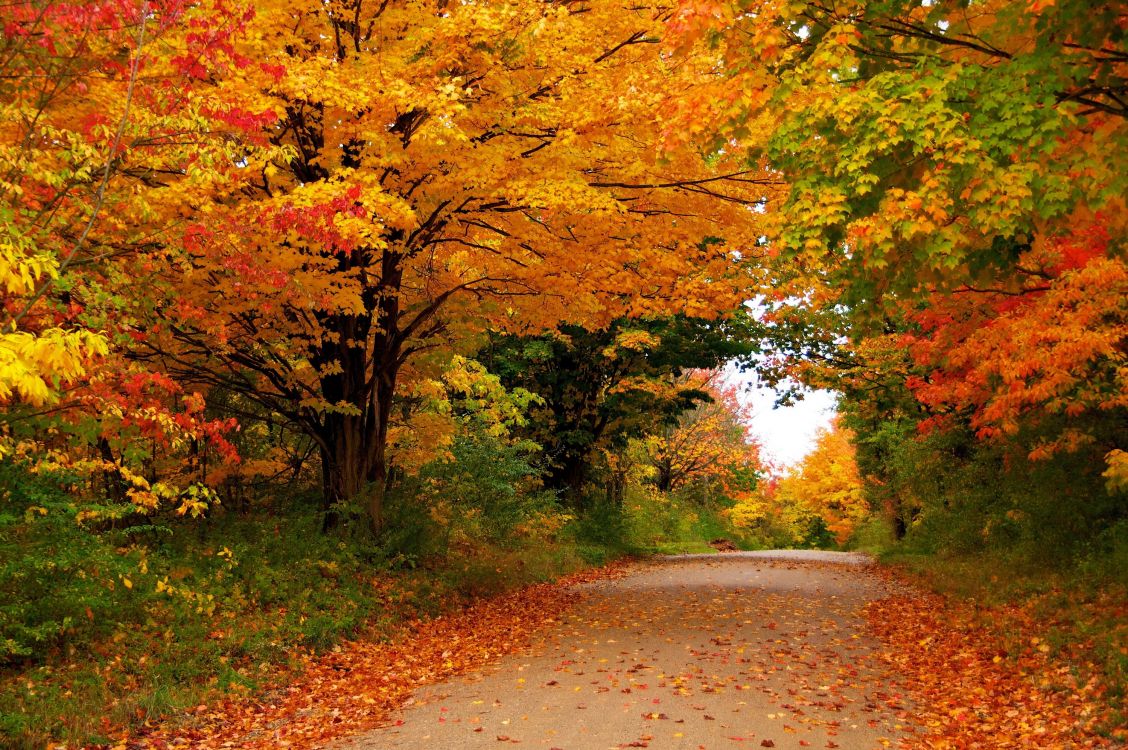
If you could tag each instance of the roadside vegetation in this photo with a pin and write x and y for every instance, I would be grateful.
(114, 620)
(1017, 561)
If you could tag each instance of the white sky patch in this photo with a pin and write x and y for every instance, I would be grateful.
(787, 433)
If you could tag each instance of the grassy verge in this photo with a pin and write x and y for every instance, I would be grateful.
(1078, 618)
(191, 614)
(104, 628)
(654, 522)
(1077, 615)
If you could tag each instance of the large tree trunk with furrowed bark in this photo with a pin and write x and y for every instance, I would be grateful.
(353, 436)
(354, 463)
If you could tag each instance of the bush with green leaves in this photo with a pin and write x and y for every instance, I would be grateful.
(602, 524)
(968, 496)
(58, 580)
(490, 486)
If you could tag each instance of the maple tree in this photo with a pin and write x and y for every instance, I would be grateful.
(828, 484)
(821, 502)
(1051, 346)
(38, 177)
(950, 190)
(922, 142)
(101, 119)
(109, 131)
(498, 168)
(711, 442)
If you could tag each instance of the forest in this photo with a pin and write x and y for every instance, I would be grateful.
(320, 318)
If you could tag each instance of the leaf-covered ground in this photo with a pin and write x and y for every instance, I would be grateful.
(737, 650)
(993, 677)
(730, 652)
(354, 686)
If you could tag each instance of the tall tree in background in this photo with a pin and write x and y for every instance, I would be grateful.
(827, 484)
(709, 443)
(601, 388)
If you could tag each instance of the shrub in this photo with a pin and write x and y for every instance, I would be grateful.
(58, 581)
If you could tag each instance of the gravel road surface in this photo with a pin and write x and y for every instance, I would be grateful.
(735, 650)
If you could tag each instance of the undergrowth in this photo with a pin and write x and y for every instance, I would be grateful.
(104, 626)
(102, 629)
(1074, 610)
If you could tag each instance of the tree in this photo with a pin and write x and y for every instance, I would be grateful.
(1050, 345)
(107, 130)
(817, 504)
(450, 168)
(603, 387)
(828, 484)
(923, 143)
(710, 443)
(949, 179)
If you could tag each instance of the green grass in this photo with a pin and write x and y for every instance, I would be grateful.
(248, 594)
(689, 547)
(873, 536)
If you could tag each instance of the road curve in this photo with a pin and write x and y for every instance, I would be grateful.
(736, 650)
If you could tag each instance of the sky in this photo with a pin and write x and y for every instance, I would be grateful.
(786, 434)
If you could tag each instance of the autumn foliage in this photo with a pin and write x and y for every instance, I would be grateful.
(104, 114)
(492, 173)
(710, 443)
(1051, 345)
(1002, 685)
(447, 283)
(952, 228)
(820, 502)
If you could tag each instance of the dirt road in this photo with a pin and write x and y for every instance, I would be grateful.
(738, 650)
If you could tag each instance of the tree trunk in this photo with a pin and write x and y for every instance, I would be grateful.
(363, 357)
(568, 478)
(354, 465)
(616, 488)
(342, 469)
(114, 484)
(896, 515)
(665, 481)
(353, 469)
